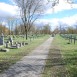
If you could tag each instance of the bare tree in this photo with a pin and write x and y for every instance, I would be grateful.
(54, 2)
(30, 10)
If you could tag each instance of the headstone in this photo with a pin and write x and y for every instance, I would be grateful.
(74, 39)
(71, 38)
(2, 39)
(11, 40)
(11, 44)
(23, 43)
(17, 45)
(20, 44)
(6, 45)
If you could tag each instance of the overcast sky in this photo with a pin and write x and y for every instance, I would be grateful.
(62, 12)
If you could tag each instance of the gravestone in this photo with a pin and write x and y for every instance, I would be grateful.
(71, 38)
(11, 40)
(23, 43)
(6, 45)
(2, 39)
(17, 45)
(20, 44)
(74, 39)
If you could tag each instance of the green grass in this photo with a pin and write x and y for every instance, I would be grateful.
(11, 57)
(69, 54)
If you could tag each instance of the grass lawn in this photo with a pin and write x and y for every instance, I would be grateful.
(11, 57)
(69, 54)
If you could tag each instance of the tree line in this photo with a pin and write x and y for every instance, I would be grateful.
(20, 30)
(66, 29)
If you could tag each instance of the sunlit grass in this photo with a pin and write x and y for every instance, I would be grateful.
(69, 54)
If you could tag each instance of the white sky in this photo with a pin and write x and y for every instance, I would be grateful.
(7, 9)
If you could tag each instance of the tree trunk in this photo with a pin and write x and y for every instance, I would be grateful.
(26, 32)
(26, 35)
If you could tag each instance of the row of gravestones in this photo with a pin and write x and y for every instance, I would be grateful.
(2, 39)
(10, 44)
(10, 39)
(15, 45)
(70, 38)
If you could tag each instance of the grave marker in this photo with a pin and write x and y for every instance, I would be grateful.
(2, 39)
(6, 45)
(11, 40)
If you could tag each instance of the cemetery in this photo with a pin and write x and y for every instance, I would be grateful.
(38, 38)
(10, 43)
(71, 37)
(13, 50)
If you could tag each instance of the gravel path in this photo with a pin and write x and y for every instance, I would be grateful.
(31, 65)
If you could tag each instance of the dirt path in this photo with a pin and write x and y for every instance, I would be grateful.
(31, 65)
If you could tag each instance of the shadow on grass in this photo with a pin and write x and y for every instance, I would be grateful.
(58, 66)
